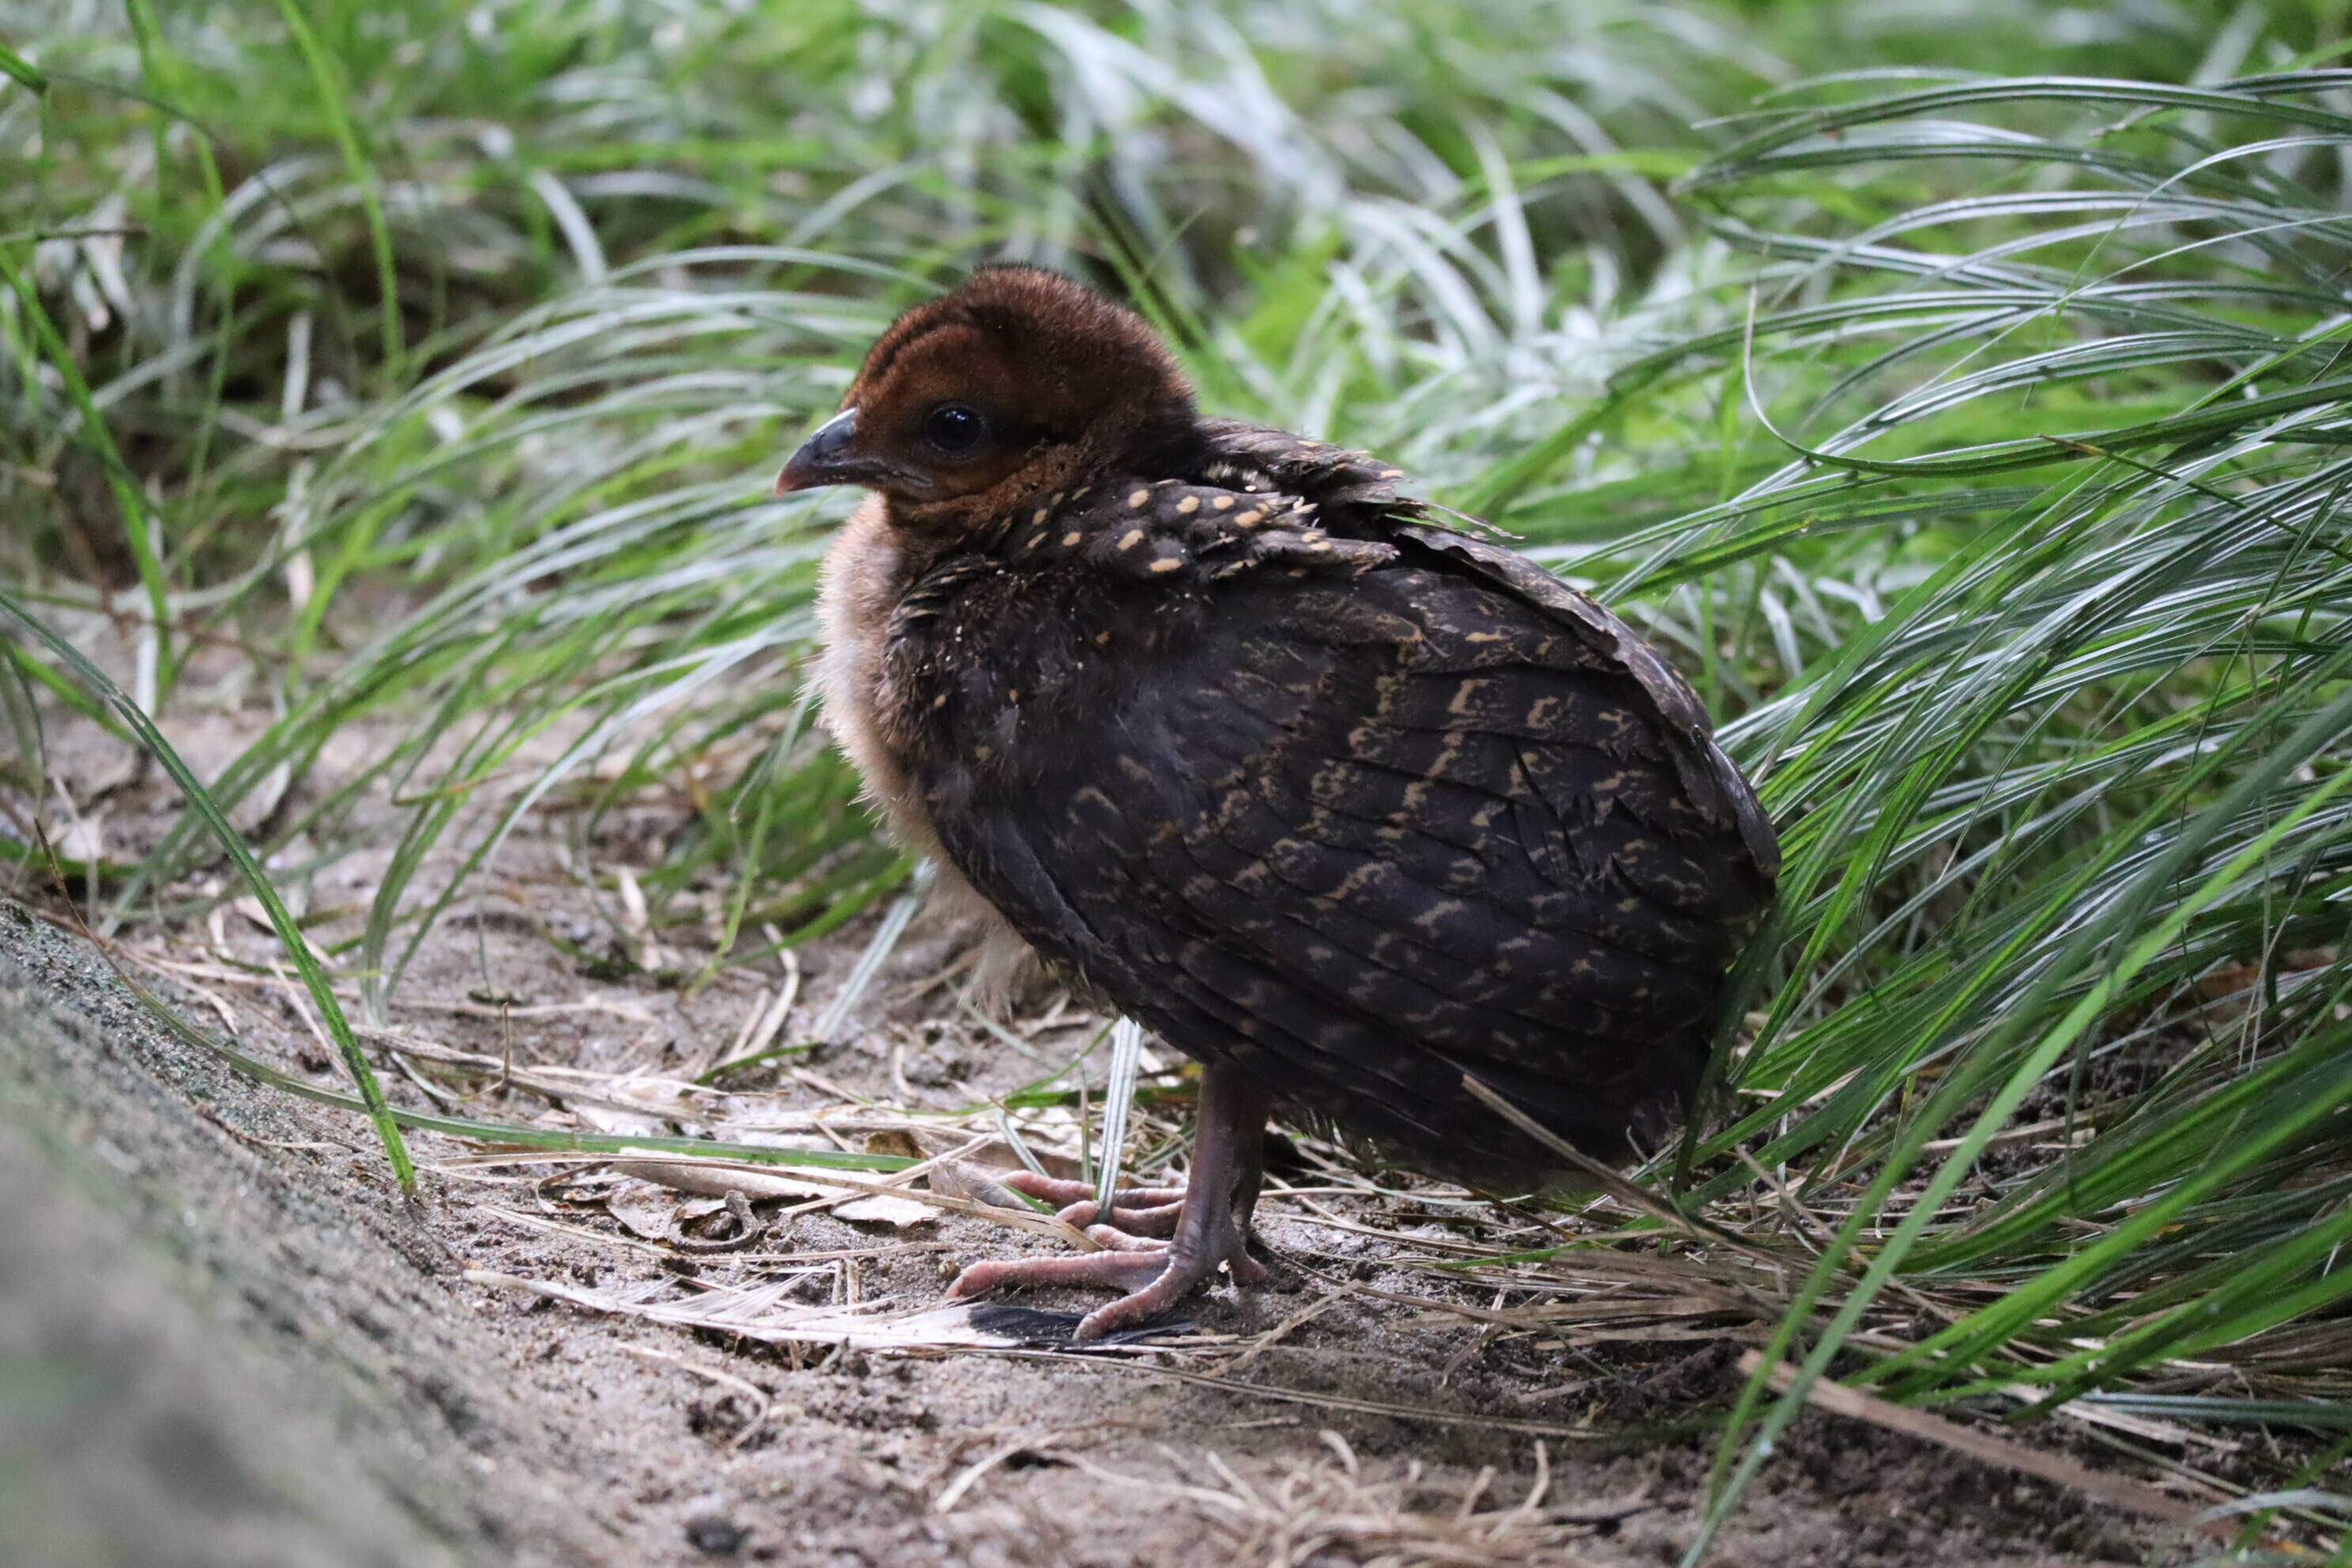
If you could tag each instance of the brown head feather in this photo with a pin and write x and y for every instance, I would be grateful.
(1017, 382)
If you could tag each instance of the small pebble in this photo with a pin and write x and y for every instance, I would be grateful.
(714, 1535)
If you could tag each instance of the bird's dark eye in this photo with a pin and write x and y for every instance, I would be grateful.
(954, 428)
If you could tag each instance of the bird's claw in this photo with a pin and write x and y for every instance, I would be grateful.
(1154, 1273)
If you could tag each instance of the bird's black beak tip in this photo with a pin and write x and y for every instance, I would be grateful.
(819, 460)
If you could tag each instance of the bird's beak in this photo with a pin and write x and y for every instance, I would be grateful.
(826, 457)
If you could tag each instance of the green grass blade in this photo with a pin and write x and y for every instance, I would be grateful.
(290, 935)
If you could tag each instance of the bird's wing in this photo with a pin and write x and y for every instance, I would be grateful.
(1384, 822)
(1354, 487)
(1714, 785)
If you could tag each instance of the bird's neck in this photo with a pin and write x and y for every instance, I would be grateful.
(930, 530)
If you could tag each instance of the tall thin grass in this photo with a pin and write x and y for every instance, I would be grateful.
(2066, 768)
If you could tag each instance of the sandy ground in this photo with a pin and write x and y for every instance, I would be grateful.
(1378, 1404)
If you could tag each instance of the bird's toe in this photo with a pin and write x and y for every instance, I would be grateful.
(1061, 1192)
(1174, 1282)
(1159, 1220)
(1115, 1267)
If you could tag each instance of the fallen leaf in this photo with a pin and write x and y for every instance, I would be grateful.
(646, 1209)
(965, 1180)
(898, 1212)
(628, 1125)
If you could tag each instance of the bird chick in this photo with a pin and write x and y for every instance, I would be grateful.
(1355, 809)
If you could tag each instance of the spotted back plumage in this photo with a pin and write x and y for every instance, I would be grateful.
(1303, 781)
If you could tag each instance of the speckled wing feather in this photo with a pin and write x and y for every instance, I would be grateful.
(1305, 783)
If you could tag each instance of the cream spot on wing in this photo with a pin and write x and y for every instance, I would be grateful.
(1223, 503)
(1070, 539)
(1465, 698)
(1133, 537)
(1188, 504)
(1168, 565)
(1139, 498)
(1249, 518)
(1041, 514)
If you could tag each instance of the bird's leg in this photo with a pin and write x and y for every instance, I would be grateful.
(1208, 1219)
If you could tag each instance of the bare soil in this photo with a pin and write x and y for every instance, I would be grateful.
(227, 1263)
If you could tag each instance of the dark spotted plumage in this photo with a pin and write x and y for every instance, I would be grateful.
(1298, 779)
(1348, 805)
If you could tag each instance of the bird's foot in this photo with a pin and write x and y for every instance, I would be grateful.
(1206, 1221)
(1155, 1274)
(1155, 1277)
